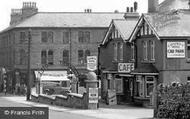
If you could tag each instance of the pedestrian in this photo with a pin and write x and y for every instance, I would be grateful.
(5, 87)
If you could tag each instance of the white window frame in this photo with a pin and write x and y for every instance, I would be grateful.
(132, 52)
(145, 50)
(115, 51)
(152, 50)
(148, 82)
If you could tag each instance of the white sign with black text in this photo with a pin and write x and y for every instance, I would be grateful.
(92, 63)
(125, 67)
(176, 49)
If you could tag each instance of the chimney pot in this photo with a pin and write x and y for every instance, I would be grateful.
(131, 9)
(127, 9)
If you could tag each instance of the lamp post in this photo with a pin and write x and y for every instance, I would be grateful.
(28, 67)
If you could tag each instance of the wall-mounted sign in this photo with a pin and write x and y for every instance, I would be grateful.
(125, 67)
(176, 49)
(93, 95)
(91, 63)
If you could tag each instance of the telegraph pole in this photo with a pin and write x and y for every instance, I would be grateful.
(28, 68)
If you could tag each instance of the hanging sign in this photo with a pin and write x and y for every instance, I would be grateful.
(176, 49)
(92, 63)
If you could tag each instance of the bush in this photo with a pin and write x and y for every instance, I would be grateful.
(174, 102)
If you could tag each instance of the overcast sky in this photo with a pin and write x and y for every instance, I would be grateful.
(69, 6)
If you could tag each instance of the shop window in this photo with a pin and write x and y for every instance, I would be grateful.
(65, 37)
(43, 57)
(80, 57)
(152, 50)
(50, 57)
(119, 85)
(139, 86)
(188, 49)
(115, 51)
(132, 52)
(149, 85)
(145, 50)
(65, 57)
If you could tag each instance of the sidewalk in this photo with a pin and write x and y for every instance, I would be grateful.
(104, 112)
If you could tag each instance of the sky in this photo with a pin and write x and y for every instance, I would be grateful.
(69, 6)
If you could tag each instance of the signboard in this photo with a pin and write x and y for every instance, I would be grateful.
(91, 63)
(125, 67)
(176, 49)
(93, 95)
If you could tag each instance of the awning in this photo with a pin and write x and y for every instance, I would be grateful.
(145, 69)
(52, 75)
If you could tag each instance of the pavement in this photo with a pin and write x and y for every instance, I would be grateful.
(104, 112)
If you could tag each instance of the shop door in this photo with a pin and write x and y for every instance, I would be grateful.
(127, 90)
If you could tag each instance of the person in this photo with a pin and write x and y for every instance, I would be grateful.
(5, 87)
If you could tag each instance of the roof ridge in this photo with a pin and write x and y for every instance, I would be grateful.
(82, 12)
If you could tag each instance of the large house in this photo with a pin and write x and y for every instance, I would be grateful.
(58, 39)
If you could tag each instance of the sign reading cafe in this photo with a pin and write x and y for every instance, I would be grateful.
(176, 49)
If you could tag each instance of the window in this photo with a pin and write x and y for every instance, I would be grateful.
(120, 51)
(50, 57)
(132, 52)
(65, 37)
(65, 57)
(43, 57)
(84, 36)
(80, 57)
(149, 85)
(22, 37)
(87, 53)
(145, 50)
(152, 50)
(188, 80)
(22, 57)
(115, 51)
(188, 49)
(47, 37)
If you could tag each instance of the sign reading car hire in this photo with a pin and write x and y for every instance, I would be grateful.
(91, 63)
(176, 49)
(125, 67)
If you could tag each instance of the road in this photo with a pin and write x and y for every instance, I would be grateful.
(53, 114)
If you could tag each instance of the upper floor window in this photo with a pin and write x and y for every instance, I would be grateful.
(23, 59)
(47, 37)
(22, 37)
(132, 52)
(65, 37)
(115, 51)
(80, 57)
(145, 50)
(152, 50)
(84, 36)
(188, 49)
(47, 57)
(120, 51)
(65, 57)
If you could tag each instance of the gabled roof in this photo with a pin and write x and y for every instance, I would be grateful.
(124, 27)
(172, 24)
(69, 19)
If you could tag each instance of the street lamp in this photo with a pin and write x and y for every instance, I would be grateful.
(28, 68)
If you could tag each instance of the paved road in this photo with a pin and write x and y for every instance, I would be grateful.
(53, 114)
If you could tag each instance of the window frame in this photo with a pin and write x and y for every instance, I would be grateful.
(149, 82)
(145, 50)
(152, 50)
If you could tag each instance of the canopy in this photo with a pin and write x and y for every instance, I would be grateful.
(52, 75)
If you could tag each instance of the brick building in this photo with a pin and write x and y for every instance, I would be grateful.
(116, 61)
(57, 38)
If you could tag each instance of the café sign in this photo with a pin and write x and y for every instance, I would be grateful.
(125, 67)
(176, 49)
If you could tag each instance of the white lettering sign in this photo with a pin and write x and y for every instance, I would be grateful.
(125, 67)
(175, 49)
(91, 63)
(93, 95)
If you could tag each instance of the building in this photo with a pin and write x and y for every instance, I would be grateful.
(57, 39)
(162, 52)
(115, 59)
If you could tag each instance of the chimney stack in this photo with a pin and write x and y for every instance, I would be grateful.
(135, 6)
(152, 6)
